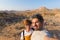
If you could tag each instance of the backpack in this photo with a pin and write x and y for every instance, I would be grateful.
(23, 35)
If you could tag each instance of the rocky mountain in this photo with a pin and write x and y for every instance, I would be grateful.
(11, 22)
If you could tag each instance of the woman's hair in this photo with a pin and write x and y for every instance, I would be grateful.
(39, 17)
(27, 22)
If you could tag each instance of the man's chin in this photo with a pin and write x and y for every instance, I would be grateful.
(35, 27)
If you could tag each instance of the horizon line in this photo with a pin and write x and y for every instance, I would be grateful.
(25, 9)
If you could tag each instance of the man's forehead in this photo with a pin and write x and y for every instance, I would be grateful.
(34, 20)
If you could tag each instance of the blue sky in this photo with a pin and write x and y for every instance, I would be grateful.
(28, 4)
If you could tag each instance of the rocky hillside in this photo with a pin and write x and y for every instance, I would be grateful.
(11, 22)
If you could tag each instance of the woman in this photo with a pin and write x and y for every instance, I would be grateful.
(26, 34)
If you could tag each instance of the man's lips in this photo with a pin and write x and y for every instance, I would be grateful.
(35, 26)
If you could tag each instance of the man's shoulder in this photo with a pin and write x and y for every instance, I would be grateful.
(47, 33)
(44, 31)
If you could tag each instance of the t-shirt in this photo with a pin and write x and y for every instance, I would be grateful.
(39, 35)
(27, 35)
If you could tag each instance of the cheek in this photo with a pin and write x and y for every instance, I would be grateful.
(32, 24)
(37, 24)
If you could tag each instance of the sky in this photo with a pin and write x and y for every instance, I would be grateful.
(28, 4)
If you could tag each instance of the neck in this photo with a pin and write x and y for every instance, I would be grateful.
(39, 29)
(27, 30)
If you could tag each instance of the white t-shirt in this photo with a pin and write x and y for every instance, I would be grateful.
(26, 33)
(39, 35)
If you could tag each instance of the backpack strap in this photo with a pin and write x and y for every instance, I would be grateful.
(23, 35)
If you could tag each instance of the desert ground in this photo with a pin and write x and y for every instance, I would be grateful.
(11, 22)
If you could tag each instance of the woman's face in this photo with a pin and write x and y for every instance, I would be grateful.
(27, 26)
(36, 23)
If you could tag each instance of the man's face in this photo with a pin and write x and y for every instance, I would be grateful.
(36, 24)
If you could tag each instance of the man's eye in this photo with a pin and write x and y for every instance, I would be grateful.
(32, 22)
(37, 22)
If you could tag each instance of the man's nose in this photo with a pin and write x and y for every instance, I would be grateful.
(34, 24)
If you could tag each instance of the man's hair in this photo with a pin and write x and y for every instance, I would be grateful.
(39, 17)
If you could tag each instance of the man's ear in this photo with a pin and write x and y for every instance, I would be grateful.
(42, 24)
